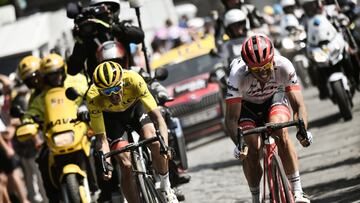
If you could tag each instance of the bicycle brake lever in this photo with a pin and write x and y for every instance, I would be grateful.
(302, 129)
(106, 167)
(163, 148)
(240, 144)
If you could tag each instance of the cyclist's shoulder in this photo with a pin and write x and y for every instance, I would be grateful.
(132, 79)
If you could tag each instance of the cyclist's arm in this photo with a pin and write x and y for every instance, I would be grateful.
(297, 104)
(159, 122)
(97, 121)
(150, 105)
(233, 100)
(233, 109)
(293, 91)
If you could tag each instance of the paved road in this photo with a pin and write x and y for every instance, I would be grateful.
(330, 168)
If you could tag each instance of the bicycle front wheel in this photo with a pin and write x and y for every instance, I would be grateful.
(154, 194)
(147, 190)
(280, 192)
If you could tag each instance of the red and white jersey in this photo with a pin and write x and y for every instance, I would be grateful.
(242, 85)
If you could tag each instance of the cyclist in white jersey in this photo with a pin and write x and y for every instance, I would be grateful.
(259, 87)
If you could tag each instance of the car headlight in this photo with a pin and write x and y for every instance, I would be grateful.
(287, 43)
(64, 138)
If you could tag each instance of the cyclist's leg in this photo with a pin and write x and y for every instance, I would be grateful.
(114, 123)
(160, 162)
(279, 112)
(128, 183)
(251, 165)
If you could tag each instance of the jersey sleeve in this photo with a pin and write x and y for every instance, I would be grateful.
(233, 95)
(144, 94)
(289, 76)
(96, 116)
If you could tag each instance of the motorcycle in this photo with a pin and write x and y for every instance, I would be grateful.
(293, 46)
(327, 50)
(68, 144)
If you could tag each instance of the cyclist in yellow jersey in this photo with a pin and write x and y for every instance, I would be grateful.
(117, 98)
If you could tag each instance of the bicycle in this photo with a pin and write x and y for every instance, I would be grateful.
(278, 184)
(141, 164)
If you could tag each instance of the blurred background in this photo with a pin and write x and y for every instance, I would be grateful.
(38, 26)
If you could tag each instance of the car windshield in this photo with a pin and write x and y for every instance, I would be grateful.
(190, 68)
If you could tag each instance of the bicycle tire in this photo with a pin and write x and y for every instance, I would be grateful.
(154, 194)
(282, 191)
(144, 195)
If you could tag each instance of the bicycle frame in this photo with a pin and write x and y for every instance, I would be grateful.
(271, 157)
(269, 152)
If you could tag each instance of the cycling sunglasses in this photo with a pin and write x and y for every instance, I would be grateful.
(111, 90)
(259, 69)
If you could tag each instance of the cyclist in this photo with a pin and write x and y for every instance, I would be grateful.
(87, 43)
(258, 86)
(117, 98)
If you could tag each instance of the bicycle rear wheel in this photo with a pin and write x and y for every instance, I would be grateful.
(281, 192)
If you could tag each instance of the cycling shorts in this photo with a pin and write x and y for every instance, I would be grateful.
(258, 114)
(115, 122)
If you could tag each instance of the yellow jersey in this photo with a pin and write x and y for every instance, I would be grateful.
(134, 89)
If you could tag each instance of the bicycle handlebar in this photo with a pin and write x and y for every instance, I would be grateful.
(131, 147)
(270, 127)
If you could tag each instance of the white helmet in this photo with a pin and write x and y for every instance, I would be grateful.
(320, 29)
(234, 16)
(289, 21)
(285, 3)
(112, 51)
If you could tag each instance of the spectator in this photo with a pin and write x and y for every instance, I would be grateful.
(8, 159)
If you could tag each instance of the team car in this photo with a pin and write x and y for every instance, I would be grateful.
(198, 102)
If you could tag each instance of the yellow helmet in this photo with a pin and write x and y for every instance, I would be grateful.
(27, 66)
(52, 63)
(108, 74)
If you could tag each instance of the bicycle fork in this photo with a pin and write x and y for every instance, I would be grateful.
(270, 147)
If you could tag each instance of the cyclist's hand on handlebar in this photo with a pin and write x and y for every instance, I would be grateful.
(108, 174)
(305, 139)
(240, 154)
